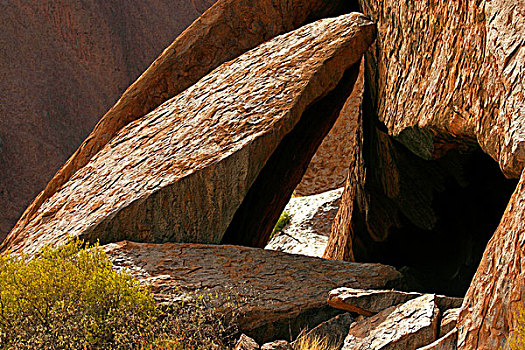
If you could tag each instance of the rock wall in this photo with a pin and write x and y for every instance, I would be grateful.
(63, 64)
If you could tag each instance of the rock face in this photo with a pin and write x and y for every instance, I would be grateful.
(279, 287)
(63, 64)
(449, 73)
(444, 89)
(311, 219)
(328, 169)
(181, 172)
(498, 288)
(407, 326)
(227, 30)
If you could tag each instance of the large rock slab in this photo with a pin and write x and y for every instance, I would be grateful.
(181, 172)
(63, 65)
(497, 291)
(449, 73)
(408, 326)
(370, 302)
(310, 223)
(280, 290)
(227, 30)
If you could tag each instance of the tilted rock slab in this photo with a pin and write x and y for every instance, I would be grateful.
(311, 219)
(447, 342)
(451, 72)
(181, 172)
(497, 291)
(279, 287)
(227, 30)
(370, 302)
(64, 64)
(448, 321)
(407, 327)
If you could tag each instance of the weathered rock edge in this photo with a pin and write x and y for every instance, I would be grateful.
(278, 287)
(199, 153)
(228, 29)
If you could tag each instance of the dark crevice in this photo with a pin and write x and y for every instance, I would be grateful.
(253, 222)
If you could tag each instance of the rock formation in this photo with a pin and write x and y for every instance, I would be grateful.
(190, 170)
(278, 287)
(310, 222)
(63, 64)
(227, 30)
(490, 309)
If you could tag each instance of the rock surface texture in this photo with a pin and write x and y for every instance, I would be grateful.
(311, 219)
(181, 172)
(498, 288)
(278, 287)
(227, 30)
(63, 64)
(408, 326)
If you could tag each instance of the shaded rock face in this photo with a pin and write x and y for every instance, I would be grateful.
(63, 64)
(311, 219)
(181, 172)
(328, 169)
(282, 292)
(498, 288)
(227, 30)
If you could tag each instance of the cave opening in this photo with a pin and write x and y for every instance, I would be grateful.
(445, 214)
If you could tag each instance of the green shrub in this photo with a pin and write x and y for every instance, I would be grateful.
(284, 219)
(71, 298)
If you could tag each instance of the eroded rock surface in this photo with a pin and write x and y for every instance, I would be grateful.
(63, 64)
(181, 172)
(448, 73)
(278, 287)
(310, 223)
(227, 30)
(407, 326)
(497, 291)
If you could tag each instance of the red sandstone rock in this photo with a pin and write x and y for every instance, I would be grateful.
(489, 311)
(63, 64)
(278, 287)
(407, 326)
(181, 172)
(227, 30)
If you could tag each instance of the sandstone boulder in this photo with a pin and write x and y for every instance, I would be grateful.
(370, 302)
(282, 292)
(63, 64)
(407, 326)
(218, 161)
(448, 321)
(447, 342)
(246, 343)
(311, 219)
(497, 291)
(227, 30)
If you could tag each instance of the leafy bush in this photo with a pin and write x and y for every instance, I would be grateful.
(517, 341)
(71, 298)
(284, 219)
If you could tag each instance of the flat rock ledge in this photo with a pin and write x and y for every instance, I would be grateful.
(278, 289)
(407, 326)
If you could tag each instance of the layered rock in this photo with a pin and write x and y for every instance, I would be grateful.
(181, 172)
(310, 222)
(279, 290)
(489, 313)
(408, 326)
(227, 30)
(63, 64)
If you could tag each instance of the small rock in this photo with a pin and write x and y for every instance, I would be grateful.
(277, 345)
(246, 343)
(407, 326)
(448, 342)
(448, 321)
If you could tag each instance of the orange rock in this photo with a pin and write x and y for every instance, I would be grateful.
(63, 64)
(181, 172)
